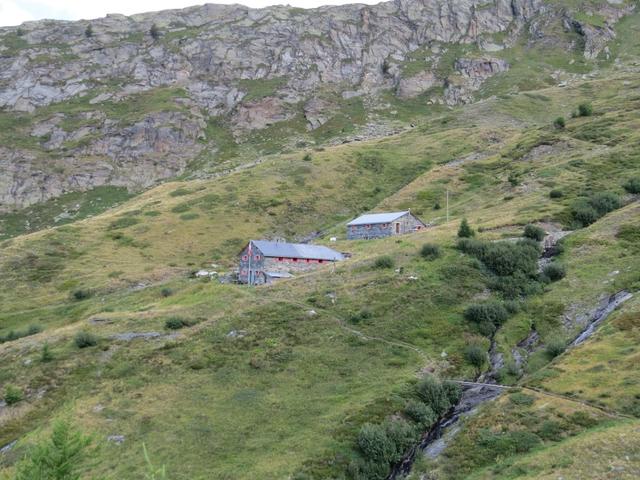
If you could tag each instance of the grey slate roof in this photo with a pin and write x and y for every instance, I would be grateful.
(373, 218)
(296, 250)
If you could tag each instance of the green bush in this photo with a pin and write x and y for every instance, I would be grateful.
(452, 390)
(556, 194)
(605, 202)
(88, 32)
(559, 123)
(476, 356)
(384, 261)
(123, 222)
(554, 272)
(363, 314)
(465, 231)
(632, 185)
(374, 443)
(489, 312)
(430, 391)
(307, 157)
(430, 251)
(629, 233)
(15, 335)
(45, 354)
(585, 110)
(402, 435)
(81, 294)
(587, 211)
(519, 398)
(12, 395)
(175, 323)
(583, 213)
(505, 444)
(166, 292)
(505, 258)
(534, 232)
(360, 469)
(550, 430)
(420, 413)
(85, 339)
(555, 347)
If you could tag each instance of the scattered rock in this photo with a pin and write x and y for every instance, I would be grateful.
(117, 439)
(237, 334)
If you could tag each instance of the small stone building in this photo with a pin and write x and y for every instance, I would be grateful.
(264, 261)
(380, 225)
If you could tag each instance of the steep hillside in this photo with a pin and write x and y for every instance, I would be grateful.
(334, 374)
(277, 381)
(128, 101)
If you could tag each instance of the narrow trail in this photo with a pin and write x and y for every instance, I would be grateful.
(342, 324)
(541, 391)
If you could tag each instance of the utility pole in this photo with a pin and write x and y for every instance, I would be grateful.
(447, 205)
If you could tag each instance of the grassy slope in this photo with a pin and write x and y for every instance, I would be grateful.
(296, 387)
(597, 374)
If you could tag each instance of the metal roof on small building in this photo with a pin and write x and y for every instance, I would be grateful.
(296, 250)
(374, 218)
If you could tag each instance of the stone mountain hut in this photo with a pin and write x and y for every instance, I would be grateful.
(263, 261)
(379, 225)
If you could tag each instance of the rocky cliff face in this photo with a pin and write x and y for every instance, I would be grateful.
(98, 102)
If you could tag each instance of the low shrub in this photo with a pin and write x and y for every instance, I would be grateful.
(123, 222)
(430, 251)
(632, 185)
(504, 444)
(584, 214)
(420, 413)
(605, 202)
(45, 354)
(470, 246)
(465, 231)
(360, 469)
(555, 347)
(550, 430)
(554, 272)
(452, 391)
(85, 339)
(534, 232)
(430, 391)
(307, 157)
(166, 292)
(12, 395)
(175, 323)
(489, 312)
(15, 335)
(374, 443)
(81, 294)
(401, 434)
(559, 123)
(519, 398)
(585, 110)
(556, 194)
(629, 233)
(476, 356)
(384, 261)
(363, 314)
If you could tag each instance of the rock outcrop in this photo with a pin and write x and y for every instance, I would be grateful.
(134, 107)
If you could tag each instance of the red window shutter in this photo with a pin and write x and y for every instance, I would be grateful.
(245, 258)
